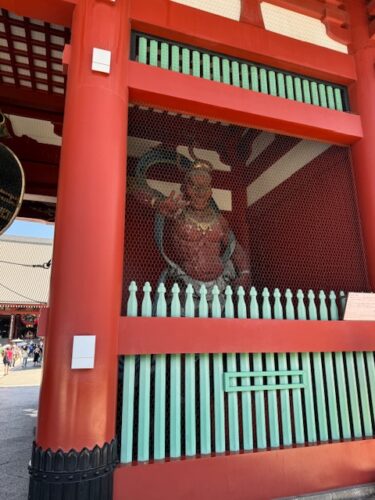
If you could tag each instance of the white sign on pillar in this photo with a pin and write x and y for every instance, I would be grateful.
(83, 356)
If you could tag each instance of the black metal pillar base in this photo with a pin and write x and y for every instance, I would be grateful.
(72, 475)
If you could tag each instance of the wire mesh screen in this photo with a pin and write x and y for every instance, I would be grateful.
(214, 203)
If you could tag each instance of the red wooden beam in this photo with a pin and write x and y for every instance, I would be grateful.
(53, 11)
(28, 98)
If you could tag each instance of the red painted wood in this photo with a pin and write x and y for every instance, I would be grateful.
(251, 476)
(53, 11)
(78, 407)
(188, 94)
(194, 335)
(171, 20)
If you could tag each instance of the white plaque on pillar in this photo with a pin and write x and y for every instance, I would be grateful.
(360, 307)
(83, 356)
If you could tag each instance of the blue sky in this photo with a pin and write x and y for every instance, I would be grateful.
(30, 229)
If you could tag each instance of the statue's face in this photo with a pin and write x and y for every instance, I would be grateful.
(198, 190)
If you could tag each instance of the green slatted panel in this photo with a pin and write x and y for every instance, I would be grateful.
(331, 98)
(206, 61)
(247, 417)
(144, 408)
(260, 414)
(297, 401)
(128, 410)
(175, 406)
(204, 403)
(320, 397)
(306, 91)
(281, 85)
(186, 61)
(353, 395)
(226, 71)
(338, 100)
(286, 422)
(323, 95)
(298, 87)
(263, 80)
(363, 392)
(272, 82)
(216, 69)
(309, 399)
(343, 398)
(289, 87)
(159, 407)
(273, 415)
(219, 403)
(164, 55)
(235, 74)
(331, 395)
(154, 48)
(233, 423)
(245, 82)
(175, 64)
(371, 378)
(142, 49)
(314, 93)
(190, 424)
(196, 63)
(254, 78)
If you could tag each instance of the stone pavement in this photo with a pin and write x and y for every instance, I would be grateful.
(19, 393)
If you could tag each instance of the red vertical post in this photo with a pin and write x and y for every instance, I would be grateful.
(362, 95)
(78, 407)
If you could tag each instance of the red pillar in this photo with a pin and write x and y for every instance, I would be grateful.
(78, 407)
(363, 102)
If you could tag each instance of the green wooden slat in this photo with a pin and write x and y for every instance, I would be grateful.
(154, 53)
(142, 49)
(235, 74)
(233, 424)
(272, 82)
(306, 91)
(331, 395)
(216, 69)
(315, 93)
(164, 55)
(128, 410)
(190, 405)
(338, 99)
(371, 377)
(144, 408)
(363, 392)
(273, 415)
(254, 78)
(298, 87)
(186, 61)
(309, 399)
(219, 403)
(289, 87)
(320, 397)
(196, 63)
(159, 407)
(353, 395)
(247, 417)
(175, 64)
(245, 82)
(226, 71)
(330, 97)
(175, 406)
(281, 84)
(206, 61)
(297, 402)
(204, 403)
(323, 95)
(286, 423)
(260, 415)
(343, 398)
(263, 80)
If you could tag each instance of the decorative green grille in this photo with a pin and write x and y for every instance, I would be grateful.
(197, 62)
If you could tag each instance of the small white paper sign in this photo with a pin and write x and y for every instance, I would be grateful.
(83, 356)
(360, 307)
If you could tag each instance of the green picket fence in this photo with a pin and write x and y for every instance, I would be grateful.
(185, 405)
(313, 306)
(197, 62)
